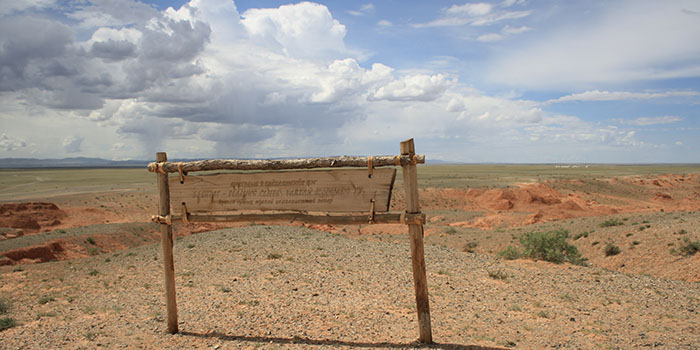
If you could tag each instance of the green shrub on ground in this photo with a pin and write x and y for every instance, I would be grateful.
(688, 248)
(469, 247)
(510, 253)
(45, 299)
(450, 230)
(611, 222)
(582, 234)
(4, 306)
(498, 275)
(611, 249)
(7, 322)
(550, 246)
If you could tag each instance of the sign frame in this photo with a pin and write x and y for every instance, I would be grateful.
(412, 216)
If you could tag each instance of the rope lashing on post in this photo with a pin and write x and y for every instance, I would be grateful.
(185, 220)
(179, 170)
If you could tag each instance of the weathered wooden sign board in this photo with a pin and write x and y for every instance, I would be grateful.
(292, 195)
(326, 190)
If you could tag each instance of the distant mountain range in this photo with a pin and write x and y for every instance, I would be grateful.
(83, 162)
(77, 162)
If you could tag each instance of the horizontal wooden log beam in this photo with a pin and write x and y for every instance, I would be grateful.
(285, 164)
(379, 218)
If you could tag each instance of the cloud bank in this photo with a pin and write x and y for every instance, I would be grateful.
(204, 80)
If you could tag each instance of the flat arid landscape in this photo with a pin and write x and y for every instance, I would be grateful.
(81, 265)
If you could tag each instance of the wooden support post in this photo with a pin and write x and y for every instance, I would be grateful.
(415, 231)
(166, 236)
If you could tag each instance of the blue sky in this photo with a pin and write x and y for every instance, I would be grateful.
(500, 81)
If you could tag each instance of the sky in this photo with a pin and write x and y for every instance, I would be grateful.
(508, 81)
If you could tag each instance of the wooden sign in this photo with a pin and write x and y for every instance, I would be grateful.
(327, 190)
(293, 194)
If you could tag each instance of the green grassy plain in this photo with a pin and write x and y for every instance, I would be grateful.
(503, 175)
(36, 184)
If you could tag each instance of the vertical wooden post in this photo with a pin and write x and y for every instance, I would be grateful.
(415, 231)
(166, 237)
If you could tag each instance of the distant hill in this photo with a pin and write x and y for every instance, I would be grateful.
(77, 162)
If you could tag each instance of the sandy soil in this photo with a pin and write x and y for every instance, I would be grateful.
(278, 287)
(518, 205)
(322, 286)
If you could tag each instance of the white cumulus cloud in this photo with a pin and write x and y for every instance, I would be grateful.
(10, 143)
(597, 95)
(73, 144)
(646, 121)
(419, 87)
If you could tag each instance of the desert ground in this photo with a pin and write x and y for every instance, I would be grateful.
(81, 268)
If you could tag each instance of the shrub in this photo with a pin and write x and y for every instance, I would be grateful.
(510, 253)
(498, 275)
(611, 222)
(273, 256)
(689, 248)
(7, 322)
(90, 240)
(611, 249)
(469, 247)
(582, 234)
(4, 306)
(45, 299)
(550, 246)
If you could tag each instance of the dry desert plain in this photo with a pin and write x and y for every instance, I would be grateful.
(81, 266)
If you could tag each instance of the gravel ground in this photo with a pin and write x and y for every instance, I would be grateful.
(278, 287)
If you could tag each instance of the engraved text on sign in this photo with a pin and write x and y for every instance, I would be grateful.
(329, 190)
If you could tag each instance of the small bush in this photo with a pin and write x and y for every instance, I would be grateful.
(498, 275)
(45, 299)
(510, 253)
(444, 272)
(94, 272)
(90, 240)
(450, 230)
(550, 246)
(274, 256)
(4, 306)
(580, 235)
(469, 247)
(689, 248)
(611, 222)
(7, 322)
(611, 249)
